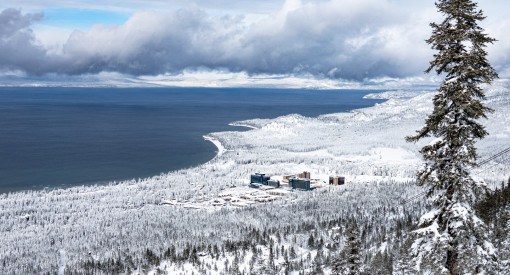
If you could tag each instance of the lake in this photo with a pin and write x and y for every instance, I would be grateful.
(61, 137)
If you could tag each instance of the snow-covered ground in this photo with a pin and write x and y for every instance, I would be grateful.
(196, 205)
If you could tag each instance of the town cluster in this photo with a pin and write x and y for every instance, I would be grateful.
(301, 181)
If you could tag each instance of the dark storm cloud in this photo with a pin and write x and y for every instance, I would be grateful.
(349, 39)
(18, 49)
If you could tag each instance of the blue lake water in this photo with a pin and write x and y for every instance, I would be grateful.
(60, 137)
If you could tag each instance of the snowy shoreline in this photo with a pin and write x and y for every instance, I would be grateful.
(217, 143)
(221, 148)
(240, 124)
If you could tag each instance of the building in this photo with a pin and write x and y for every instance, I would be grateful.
(336, 180)
(288, 177)
(259, 178)
(274, 183)
(304, 175)
(302, 184)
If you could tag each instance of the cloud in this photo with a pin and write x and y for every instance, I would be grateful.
(18, 48)
(346, 39)
(151, 43)
(341, 39)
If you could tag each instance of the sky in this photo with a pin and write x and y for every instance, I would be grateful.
(350, 40)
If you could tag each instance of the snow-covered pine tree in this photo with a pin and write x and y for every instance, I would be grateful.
(349, 261)
(451, 239)
(403, 263)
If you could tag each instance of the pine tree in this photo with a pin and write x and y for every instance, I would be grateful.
(451, 239)
(349, 261)
(311, 242)
(402, 265)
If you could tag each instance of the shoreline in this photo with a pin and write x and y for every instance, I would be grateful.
(239, 124)
(221, 149)
(207, 137)
(193, 152)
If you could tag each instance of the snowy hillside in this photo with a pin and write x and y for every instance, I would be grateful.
(176, 222)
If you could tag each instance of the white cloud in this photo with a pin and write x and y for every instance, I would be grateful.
(346, 39)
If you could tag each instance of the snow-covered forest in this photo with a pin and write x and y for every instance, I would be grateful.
(126, 227)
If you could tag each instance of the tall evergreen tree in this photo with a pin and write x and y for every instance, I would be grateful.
(350, 261)
(451, 239)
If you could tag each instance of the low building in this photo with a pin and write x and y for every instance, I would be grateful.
(302, 184)
(288, 177)
(274, 183)
(336, 180)
(304, 175)
(259, 179)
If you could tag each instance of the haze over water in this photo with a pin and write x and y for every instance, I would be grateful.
(60, 137)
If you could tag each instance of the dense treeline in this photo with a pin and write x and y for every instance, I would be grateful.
(494, 210)
(166, 233)
(310, 242)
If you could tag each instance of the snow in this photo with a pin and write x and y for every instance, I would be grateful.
(239, 124)
(62, 262)
(212, 202)
(435, 141)
(429, 216)
(399, 94)
(394, 155)
(216, 143)
(461, 213)
(383, 247)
